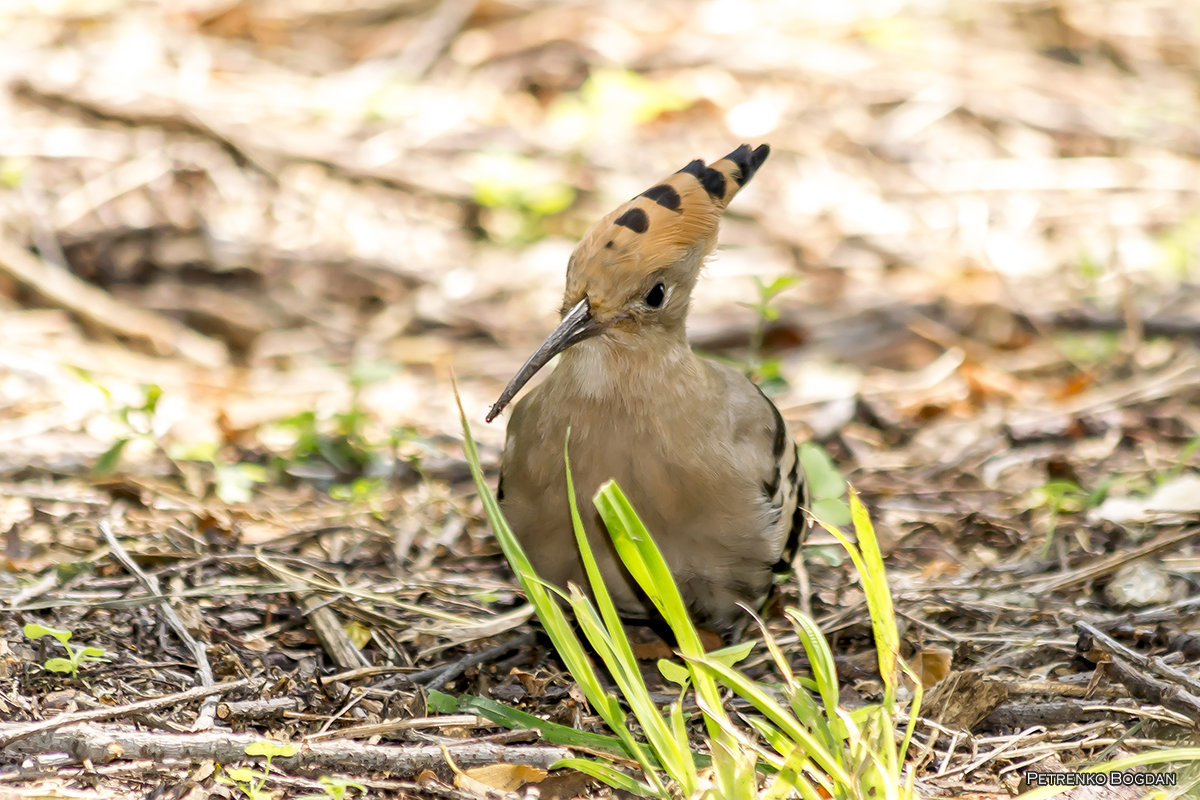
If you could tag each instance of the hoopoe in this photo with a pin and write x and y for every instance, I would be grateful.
(703, 455)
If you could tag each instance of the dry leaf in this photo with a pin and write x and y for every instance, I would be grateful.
(932, 664)
(505, 777)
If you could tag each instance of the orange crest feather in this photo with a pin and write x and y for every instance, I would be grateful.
(675, 214)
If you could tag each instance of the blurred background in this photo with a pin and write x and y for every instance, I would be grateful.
(245, 245)
(977, 218)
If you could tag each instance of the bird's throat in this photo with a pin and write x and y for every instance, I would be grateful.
(618, 372)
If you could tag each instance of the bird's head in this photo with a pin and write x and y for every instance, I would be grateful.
(634, 270)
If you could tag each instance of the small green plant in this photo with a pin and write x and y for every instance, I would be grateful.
(1088, 349)
(797, 746)
(75, 656)
(335, 447)
(368, 494)
(250, 782)
(335, 788)
(139, 421)
(826, 486)
(232, 483)
(1064, 497)
(12, 172)
(765, 371)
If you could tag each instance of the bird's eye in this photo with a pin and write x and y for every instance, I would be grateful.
(655, 297)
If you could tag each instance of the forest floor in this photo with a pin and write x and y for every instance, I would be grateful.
(244, 246)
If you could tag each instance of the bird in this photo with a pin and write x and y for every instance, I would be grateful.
(703, 455)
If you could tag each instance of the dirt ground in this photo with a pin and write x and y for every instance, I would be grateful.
(244, 246)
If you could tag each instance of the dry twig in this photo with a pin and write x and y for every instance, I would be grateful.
(204, 720)
(9, 734)
(100, 744)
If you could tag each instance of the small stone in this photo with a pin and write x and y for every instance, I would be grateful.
(1137, 585)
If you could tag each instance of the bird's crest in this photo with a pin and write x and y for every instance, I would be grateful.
(675, 214)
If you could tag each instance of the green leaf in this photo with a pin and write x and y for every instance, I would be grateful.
(60, 665)
(629, 97)
(754, 692)
(441, 703)
(551, 614)
(234, 483)
(733, 653)
(879, 598)
(515, 719)
(678, 762)
(822, 476)
(832, 510)
(644, 561)
(336, 787)
(770, 291)
(675, 673)
(154, 393)
(12, 172)
(265, 747)
(606, 632)
(610, 775)
(193, 451)
(92, 653)
(622, 651)
(367, 372)
(35, 631)
(242, 774)
(503, 180)
(107, 461)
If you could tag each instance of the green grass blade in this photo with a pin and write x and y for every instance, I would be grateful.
(820, 659)
(752, 691)
(879, 598)
(610, 775)
(553, 619)
(607, 635)
(645, 562)
(608, 610)
(515, 719)
(679, 764)
(780, 746)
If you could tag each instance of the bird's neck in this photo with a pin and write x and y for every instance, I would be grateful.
(628, 371)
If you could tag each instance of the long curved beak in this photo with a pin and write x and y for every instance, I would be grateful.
(577, 325)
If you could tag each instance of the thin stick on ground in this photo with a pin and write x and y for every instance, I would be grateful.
(103, 743)
(1154, 665)
(208, 708)
(13, 733)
